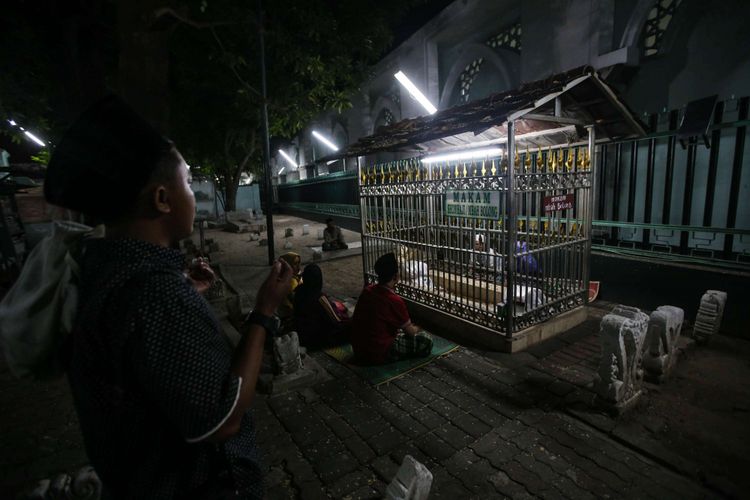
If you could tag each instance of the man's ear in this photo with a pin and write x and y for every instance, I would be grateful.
(160, 198)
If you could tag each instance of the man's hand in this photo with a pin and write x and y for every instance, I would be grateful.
(201, 275)
(275, 289)
(412, 329)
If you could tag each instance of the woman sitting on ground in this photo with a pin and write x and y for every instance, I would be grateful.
(320, 322)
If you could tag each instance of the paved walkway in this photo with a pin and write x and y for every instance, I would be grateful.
(488, 425)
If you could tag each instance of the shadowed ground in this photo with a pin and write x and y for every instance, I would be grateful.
(488, 425)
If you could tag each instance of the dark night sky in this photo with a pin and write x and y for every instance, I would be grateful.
(413, 21)
(416, 18)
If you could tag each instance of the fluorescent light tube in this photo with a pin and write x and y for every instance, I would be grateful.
(464, 155)
(324, 140)
(287, 158)
(414, 91)
(34, 138)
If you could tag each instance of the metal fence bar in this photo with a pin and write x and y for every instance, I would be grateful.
(739, 153)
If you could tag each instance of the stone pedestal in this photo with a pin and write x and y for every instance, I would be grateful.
(620, 377)
(660, 349)
(83, 485)
(412, 482)
(286, 354)
(710, 314)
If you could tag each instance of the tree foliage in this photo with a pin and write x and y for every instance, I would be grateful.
(317, 53)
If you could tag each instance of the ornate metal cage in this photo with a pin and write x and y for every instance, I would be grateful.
(502, 241)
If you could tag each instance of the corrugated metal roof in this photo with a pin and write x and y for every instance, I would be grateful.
(584, 99)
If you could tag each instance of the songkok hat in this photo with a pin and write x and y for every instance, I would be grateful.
(386, 267)
(104, 160)
(291, 258)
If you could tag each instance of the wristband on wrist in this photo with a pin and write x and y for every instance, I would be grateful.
(269, 323)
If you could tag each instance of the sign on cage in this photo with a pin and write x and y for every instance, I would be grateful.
(473, 204)
(559, 202)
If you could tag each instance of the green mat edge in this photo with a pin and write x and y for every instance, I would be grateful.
(357, 369)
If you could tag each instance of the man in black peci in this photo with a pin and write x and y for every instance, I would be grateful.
(161, 396)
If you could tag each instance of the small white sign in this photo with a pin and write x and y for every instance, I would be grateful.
(473, 204)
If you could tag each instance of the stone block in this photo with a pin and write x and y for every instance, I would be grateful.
(620, 376)
(413, 481)
(710, 314)
(289, 232)
(83, 484)
(659, 356)
(254, 236)
(317, 255)
(236, 227)
(305, 229)
(286, 353)
(309, 375)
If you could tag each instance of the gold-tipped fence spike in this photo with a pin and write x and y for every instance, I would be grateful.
(465, 173)
(484, 168)
(569, 160)
(579, 159)
(455, 172)
(494, 168)
(560, 159)
(539, 159)
(587, 160)
(517, 160)
(553, 162)
(527, 161)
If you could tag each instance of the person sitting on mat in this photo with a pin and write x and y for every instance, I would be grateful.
(320, 322)
(381, 329)
(332, 237)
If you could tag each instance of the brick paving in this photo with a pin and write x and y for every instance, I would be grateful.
(487, 425)
(350, 439)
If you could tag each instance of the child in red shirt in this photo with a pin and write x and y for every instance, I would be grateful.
(378, 317)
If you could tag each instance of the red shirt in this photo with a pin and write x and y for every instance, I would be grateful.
(378, 316)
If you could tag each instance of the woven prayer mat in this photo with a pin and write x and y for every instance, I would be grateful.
(381, 374)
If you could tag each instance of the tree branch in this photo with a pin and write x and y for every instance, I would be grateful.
(168, 11)
(236, 74)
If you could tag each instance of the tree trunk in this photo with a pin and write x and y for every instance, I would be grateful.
(230, 190)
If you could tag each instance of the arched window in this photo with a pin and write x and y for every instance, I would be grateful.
(509, 38)
(339, 134)
(657, 22)
(385, 118)
(467, 78)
